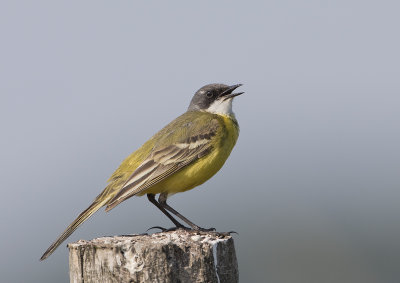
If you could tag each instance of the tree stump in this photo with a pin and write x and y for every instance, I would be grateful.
(176, 256)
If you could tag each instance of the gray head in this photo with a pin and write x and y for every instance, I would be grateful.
(214, 98)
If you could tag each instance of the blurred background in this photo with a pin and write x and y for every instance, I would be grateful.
(312, 186)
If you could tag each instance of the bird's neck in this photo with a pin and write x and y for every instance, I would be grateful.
(221, 107)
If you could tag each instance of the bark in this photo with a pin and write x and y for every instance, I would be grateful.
(177, 256)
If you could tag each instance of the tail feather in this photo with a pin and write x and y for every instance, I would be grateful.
(74, 225)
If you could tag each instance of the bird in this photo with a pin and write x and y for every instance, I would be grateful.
(182, 155)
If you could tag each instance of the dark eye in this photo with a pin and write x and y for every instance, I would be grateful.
(209, 94)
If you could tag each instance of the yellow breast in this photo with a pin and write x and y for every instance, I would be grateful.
(203, 169)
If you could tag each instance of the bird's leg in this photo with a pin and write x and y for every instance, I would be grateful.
(152, 199)
(162, 200)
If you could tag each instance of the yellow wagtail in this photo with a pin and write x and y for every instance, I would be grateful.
(184, 154)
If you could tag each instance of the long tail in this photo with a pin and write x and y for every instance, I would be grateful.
(98, 203)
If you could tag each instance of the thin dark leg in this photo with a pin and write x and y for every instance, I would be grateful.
(162, 200)
(152, 199)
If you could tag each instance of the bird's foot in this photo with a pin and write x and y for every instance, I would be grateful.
(156, 227)
(197, 228)
(193, 229)
(213, 231)
(169, 229)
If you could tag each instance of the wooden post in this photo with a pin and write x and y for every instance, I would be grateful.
(177, 256)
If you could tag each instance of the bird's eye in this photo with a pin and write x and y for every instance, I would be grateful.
(209, 94)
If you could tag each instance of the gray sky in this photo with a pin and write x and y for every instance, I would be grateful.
(312, 186)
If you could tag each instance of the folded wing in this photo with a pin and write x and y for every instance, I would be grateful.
(166, 160)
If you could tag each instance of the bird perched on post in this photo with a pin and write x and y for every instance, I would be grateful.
(184, 154)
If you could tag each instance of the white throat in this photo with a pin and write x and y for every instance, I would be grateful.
(221, 107)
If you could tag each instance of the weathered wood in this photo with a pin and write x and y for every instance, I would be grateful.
(177, 256)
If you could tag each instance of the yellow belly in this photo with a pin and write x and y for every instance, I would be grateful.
(203, 169)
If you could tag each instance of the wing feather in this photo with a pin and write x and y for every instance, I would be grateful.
(164, 161)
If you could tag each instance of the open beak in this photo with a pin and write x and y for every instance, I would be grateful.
(228, 93)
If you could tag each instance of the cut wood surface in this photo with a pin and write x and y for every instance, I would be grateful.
(176, 256)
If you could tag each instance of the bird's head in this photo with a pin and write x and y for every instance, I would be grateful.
(214, 98)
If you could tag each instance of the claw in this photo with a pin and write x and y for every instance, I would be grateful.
(177, 228)
(205, 229)
(157, 227)
(169, 229)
